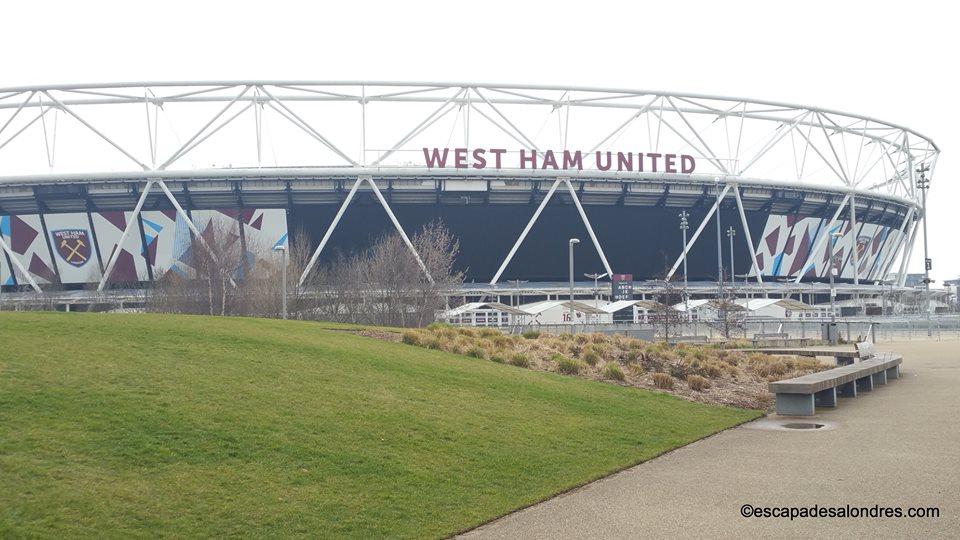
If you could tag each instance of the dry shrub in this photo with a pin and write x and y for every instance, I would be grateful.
(519, 360)
(469, 332)
(737, 344)
(632, 356)
(712, 369)
(590, 357)
(568, 366)
(531, 334)
(697, 383)
(613, 372)
(496, 358)
(477, 352)
(412, 337)
(663, 381)
(679, 369)
(489, 332)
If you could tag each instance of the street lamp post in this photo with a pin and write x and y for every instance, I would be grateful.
(923, 184)
(283, 279)
(719, 245)
(596, 284)
(831, 270)
(573, 241)
(731, 232)
(684, 225)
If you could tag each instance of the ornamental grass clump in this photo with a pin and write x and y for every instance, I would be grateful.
(697, 383)
(590, 357)
(477, 352)
(663, 381)
(412, 337)
(568, 366)
(519, 360)
(613, 372)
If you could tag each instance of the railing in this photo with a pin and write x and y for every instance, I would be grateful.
(877, 329)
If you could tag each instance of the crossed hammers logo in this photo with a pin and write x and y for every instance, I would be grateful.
(73, 250)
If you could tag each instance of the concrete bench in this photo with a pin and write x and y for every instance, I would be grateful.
(688, 339)
(801, 396)
(774, 335)
(842, 358)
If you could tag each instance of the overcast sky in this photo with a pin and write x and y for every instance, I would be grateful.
(888, 60)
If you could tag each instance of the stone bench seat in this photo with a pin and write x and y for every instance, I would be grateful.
(801, 395)
(841, 357)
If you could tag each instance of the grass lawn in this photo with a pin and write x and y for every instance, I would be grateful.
(117, 425)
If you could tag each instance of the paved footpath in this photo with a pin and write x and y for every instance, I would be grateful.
(896, 446)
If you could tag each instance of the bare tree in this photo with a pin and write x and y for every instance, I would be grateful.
(205, 282)
(666, 319)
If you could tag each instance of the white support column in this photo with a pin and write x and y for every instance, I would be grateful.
(343, 209)
(586, 222)
(748, 237)
(853, 240)
(16, 262)
(822, 238)
(523, 235)
(123, 236)
(891, 254)
(902, 278)
(330, 229)
(396, 224)
(699, 230)
(193, 228)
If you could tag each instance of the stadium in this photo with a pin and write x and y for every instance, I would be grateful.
(769, 190)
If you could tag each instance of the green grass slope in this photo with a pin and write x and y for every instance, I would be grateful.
(117, 425)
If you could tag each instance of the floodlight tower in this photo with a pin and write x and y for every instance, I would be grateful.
(731, 232)
(684, 225)
(573, 242)
(923, 184)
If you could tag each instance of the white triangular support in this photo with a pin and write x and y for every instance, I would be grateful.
(4, 248)
(343, 209)
(536, 216)
(696, 234)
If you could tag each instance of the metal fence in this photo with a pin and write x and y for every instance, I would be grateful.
(876, 329)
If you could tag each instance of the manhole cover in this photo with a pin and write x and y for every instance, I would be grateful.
(802, 425)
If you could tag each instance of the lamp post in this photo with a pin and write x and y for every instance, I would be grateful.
(832, 269)
(573, 241)
(516, 284)
(731, 232)
(596, 286)
(283, 279)
(719, 244)
(684, 225)
(923, 184)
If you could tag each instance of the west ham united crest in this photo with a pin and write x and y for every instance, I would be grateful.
(73, 245)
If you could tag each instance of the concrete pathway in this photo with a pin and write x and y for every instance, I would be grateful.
(896, 446)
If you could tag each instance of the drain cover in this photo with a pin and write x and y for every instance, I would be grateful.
(802, 425)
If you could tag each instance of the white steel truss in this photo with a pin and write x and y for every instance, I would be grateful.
(374, 128)
(696, 234)
(4, 248)
(132, 221)
(336, 220)
(536, 215)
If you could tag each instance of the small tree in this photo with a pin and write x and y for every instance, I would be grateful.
(666, 318)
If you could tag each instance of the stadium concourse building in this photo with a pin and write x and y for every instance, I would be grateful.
(102, 185)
